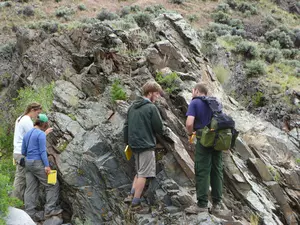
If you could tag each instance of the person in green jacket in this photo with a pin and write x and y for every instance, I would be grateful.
(142, 124)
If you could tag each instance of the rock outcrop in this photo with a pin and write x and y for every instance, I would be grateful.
(262, 179)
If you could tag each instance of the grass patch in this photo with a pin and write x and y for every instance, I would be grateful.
(229, 42)
(283, 74)
(117, 91)
(222, 73)
(258, 99)
(254, 68)
(169, 81)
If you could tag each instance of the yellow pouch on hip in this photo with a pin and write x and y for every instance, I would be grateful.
(128, 152)
(52, 177)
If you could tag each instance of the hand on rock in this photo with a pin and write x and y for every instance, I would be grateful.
(49, 130)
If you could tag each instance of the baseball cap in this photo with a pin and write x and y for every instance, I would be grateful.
(43, 118)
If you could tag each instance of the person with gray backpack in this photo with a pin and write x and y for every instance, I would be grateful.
(215, 132)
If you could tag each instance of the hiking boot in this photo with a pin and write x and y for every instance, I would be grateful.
(128, 199)
(139, 209)
(54, 212)
(195, 209)
(217, 211)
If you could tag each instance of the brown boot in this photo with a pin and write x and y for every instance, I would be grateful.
(217, 211)
(195, 209)
(128, 199)
(139, 209)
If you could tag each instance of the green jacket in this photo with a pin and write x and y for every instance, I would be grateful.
(143, 122)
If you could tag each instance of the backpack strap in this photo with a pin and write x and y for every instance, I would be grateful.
(28, 142)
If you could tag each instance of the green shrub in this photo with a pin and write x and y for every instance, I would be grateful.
(193, 18)
(64, 12)
(247, 49)
(237, 23)
(229, 42)
(209, 49)
(106, 15)
(284, 40)
(232, 3)
(117, 92)
(290, 53)
(255, 68)
(135, 8)
(220, 29)
(275, 44)
(210, 36)
(224, 7)
(269, 22)
(7, 50)
(246, 7)
(258, 99)
(177, 1)
(142, 19)
(43, 95)
(155, 9)
(6, 179)
(125, 11)
(272, 55)
(221, 17)
(169, 81)
(82, 7)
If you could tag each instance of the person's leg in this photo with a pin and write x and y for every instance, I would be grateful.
(52, 191)
(139, 186)
(216, 177)
(146, 167)
(31, 192)
(129, 198)
(20, 181)
(202, 173)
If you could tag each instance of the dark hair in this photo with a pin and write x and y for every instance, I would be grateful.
(35, 106)
(151, 86)
(43, 125)
(201, 87)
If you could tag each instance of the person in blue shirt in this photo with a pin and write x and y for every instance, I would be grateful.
(208, 161)
(37, 169)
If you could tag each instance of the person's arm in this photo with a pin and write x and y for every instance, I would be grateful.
(189, 125)
(191, 113)
(42, 148)
(125, 127)
(156, 121)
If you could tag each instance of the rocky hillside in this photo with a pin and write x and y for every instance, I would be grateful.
(98, 69)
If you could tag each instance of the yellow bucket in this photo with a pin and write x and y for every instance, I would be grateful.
(128, 152)
(52, 177)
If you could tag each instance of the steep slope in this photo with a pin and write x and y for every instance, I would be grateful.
(261, 178)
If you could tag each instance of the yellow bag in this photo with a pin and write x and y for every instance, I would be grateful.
(52, 177)
(128, 152)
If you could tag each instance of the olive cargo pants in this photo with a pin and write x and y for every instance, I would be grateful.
(208, 171)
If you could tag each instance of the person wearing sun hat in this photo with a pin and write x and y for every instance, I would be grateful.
(37, 169)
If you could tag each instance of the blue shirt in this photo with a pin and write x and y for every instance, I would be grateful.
(36, 148)
(201, 111)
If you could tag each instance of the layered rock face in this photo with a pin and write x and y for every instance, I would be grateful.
(262, 180)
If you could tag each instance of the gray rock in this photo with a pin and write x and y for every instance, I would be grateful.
(54, 220)
(18, 217)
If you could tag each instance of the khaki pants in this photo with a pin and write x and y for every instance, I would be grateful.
(20, 180)
(35, 175)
